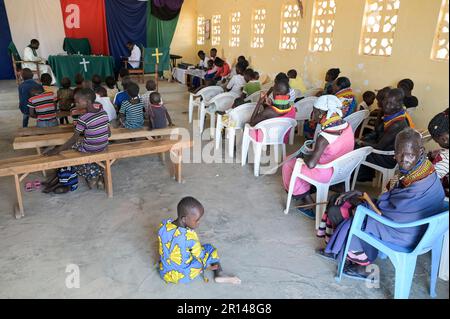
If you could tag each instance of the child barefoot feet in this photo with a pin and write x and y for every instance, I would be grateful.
(222, 278)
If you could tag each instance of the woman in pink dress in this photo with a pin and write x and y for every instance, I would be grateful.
(334, 140)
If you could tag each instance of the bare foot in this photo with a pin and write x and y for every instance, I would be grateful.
(225, 279)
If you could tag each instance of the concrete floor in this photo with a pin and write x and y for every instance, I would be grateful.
(114, 243)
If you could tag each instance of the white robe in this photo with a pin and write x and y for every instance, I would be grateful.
(43, 68)
(135, 56)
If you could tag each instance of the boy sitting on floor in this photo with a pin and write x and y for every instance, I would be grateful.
(131, 113)
(182, 257)
(157, 112)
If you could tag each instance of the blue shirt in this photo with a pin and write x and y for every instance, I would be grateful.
(134, 114)
(24, 94)
(120, 97)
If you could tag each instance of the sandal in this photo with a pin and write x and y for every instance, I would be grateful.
(307, 213)
(28, 186)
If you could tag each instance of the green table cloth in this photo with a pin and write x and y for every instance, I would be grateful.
(86, 65)
(77, 46)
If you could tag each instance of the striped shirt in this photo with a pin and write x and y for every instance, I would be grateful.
(95, 127)
(134, 114)
(44, 106)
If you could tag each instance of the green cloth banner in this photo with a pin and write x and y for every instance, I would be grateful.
(150, 60)
(86, 65)
(159, 35)
(77, 46)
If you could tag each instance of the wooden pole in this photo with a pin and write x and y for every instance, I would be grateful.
(156, 75)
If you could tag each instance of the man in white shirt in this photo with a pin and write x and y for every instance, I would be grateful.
(203, 64)
(237, 82)
(30, 54)
(134, 60)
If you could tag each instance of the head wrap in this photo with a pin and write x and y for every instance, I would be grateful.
(329, 103)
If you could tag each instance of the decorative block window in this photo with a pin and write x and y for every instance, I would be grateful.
(258, 28)
(322, 26)
(290, 25)
(235, 29)
(216, 29)
(440, 43)
(201, 30)
(379, 24)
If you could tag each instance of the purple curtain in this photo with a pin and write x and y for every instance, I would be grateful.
(166, 9)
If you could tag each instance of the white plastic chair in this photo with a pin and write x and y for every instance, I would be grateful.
(355, 119)
(366, 125)
(205, 95)
(253, 97)
(239, 116)
(304, 109)
(223, 102)
(386, 173)
(274, 131)
(343, 168)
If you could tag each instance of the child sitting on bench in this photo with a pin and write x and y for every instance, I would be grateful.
(182, 257)
(94, 126)
(131, 113)
(157, 112)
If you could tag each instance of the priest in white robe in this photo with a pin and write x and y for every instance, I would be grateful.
(30, 54)
(135, 56)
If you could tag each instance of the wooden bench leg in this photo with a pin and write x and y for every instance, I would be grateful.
(177, 165)
(108, 179)
(39, 153)
(18, 207)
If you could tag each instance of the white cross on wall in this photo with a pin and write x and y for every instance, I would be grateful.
(85, 63)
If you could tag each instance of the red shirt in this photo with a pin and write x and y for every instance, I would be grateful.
(223, 71)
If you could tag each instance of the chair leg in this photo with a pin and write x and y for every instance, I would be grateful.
(291, 189)
(355, 177)
(212, 126)
(276, 153)
(191, 107)
(231, 136)
(291, 136)
(347, 184)
(435, 262)
(404, 273)
(258, 150)
(245, 146)
(202, 119)
(284, 151)
(321, 196)
(218, 135)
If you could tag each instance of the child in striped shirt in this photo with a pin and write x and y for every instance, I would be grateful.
(131, 114)
(42, 107)
(94, 126)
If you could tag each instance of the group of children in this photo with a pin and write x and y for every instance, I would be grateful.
(94, 108)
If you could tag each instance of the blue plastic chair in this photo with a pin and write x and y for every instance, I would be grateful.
(403, 259)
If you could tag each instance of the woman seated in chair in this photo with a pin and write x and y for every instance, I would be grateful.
(418, 194)
(334, 140)
(383, 138)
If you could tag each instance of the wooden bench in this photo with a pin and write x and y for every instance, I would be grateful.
(20, 167)
(39, 141)
(33, 130)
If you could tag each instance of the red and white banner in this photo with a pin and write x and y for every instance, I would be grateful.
(86, 19)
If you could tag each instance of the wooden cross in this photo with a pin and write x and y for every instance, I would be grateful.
(157, 55)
